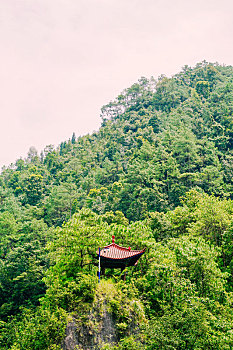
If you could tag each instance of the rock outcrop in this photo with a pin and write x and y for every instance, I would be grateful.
(112, 317)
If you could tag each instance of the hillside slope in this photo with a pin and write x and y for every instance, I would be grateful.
(158, 140)
(157, 174)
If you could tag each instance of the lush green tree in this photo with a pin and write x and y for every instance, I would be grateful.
(61, 203)
(162, 155)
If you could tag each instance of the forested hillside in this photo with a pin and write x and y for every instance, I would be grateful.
(157, 174)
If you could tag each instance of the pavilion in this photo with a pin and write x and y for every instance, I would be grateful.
(114, 256)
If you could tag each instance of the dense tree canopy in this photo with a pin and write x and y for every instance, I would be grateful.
(158, 174)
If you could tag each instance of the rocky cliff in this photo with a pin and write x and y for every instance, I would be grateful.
(113, 316)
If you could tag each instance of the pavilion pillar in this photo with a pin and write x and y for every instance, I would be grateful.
(123, 277)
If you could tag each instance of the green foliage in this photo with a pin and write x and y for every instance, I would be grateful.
(198, 263)
(128, 343)
(22, 263)
(33, 187)
(42, 330)
(202, 88)
(192, 327)
(158, 174)
(70, 294)
(60, 204)
(117, 217)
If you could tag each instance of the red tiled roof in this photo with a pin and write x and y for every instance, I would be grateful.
(114, 251)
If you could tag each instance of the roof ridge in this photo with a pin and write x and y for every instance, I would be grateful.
(115, 245)
(123, 248)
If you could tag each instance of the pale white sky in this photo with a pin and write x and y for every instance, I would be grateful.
(61, 60)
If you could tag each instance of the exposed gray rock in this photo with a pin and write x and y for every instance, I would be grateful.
(102, 331)
(111, 316)
(71, 340)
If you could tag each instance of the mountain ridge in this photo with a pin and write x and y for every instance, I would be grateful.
(157, 174)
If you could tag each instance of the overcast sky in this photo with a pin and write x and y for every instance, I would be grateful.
(61, 60)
